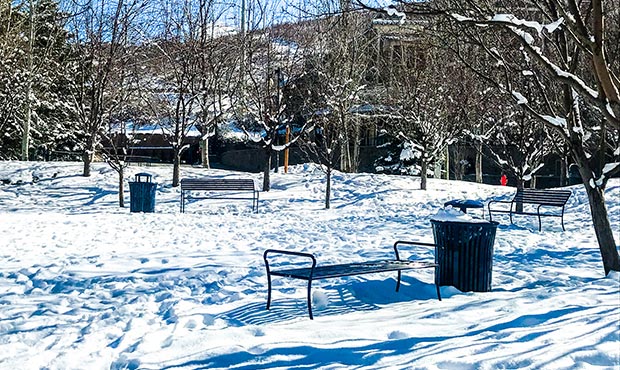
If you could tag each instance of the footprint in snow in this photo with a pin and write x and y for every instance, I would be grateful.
(167, 342)
(397, 334)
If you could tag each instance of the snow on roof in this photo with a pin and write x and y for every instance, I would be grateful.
(152, 129)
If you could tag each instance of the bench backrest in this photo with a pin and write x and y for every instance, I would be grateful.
(544, 197)
(217, 184)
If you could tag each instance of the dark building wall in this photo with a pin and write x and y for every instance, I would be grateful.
(252, 160)
(547, 177)
(368, 156)
(155, 148)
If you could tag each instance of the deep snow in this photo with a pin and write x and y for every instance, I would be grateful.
(85, 284)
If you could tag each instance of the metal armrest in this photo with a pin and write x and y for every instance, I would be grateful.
(290, 253)
(409, 243)
(422, 244)
(500, 201)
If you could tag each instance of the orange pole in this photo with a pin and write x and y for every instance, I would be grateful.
(286, 139)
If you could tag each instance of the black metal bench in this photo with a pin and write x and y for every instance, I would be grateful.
(536, 198)
(211, 186)
(348, 269)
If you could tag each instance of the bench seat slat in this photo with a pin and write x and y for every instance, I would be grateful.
(218, 185)
(349, 269)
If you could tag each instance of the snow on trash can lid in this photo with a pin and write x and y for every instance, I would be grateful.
(450, 214)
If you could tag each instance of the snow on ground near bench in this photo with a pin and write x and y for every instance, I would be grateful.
(87, 285)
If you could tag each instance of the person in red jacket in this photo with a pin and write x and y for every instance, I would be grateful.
(503, 180)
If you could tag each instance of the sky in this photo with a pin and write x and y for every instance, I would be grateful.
(85, 284)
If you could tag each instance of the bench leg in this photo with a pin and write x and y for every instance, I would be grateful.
(310, 300)
(437, 285)
(398, 281)
(268, 290)
(539, 223)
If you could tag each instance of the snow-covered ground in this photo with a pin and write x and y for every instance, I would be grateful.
(85, 284)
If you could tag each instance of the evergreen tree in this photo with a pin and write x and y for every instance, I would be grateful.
(52, 126)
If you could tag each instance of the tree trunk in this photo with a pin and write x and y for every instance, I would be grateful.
(479, 178)
(355, 156)
(121, 187)
(345, 162)
(602, 228)
(204, 153)
(176, 168)
(602, 68)
(328, 187)
(266, 170)
(27, 123)
(564, 171)
(345, 152)
(87, 158)
(600, 216)
(520, 186)
(447, 162)
(424, 166)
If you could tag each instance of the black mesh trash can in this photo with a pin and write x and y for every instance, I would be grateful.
(464, 251)
(142, 193)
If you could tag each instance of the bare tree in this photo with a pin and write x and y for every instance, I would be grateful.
(340, 61)
(217, 82)
(272, 65)
(186, 73)
(126, 113)
(567, 43)
(425, 116)
(518, 145)
(322, 146)
(100, 31)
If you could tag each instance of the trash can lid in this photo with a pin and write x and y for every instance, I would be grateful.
(454, 215)
(147, 176)
(464, 203)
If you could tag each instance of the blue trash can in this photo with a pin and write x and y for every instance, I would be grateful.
(464, 252)
(142, 193)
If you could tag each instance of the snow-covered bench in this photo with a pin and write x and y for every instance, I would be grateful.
(211, 189)
(535, 199)
(315, 272)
